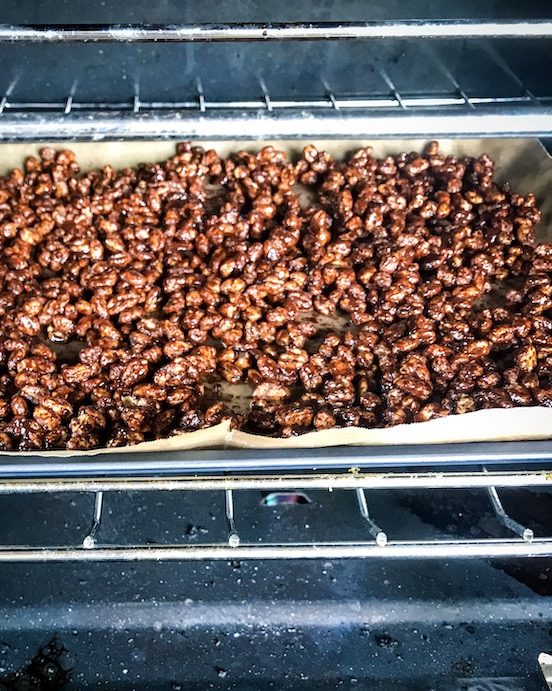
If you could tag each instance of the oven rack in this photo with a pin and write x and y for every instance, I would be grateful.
(387, 112)
(379, 544)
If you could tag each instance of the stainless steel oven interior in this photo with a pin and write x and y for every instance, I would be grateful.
(378, 555)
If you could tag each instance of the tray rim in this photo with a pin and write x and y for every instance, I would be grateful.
(189, 463)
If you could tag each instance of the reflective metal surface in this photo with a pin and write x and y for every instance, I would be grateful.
(321, 31)
(392, 550)
(220, 124)
(352, 480)
(109, 466)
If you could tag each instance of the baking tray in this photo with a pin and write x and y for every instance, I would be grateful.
(439, 457)
(483, 437)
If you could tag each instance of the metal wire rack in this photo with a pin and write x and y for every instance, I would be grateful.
(394, 112)
(379, 543)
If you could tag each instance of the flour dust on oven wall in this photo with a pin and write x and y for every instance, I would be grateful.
(257, 549)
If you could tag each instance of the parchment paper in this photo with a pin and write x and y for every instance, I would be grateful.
(523, 162)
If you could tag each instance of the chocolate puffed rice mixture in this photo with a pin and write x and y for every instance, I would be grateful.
(129, 298)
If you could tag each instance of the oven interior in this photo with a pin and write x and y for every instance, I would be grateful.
(371, 568)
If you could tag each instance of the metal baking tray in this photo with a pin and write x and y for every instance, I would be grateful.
(217, 461)
(170, 463)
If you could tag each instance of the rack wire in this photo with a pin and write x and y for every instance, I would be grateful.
(312, 31)
(380, 542)
(337, 118)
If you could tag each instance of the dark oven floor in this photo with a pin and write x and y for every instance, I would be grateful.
(466, 624)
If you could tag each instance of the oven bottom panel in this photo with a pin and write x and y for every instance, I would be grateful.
(322, 624)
